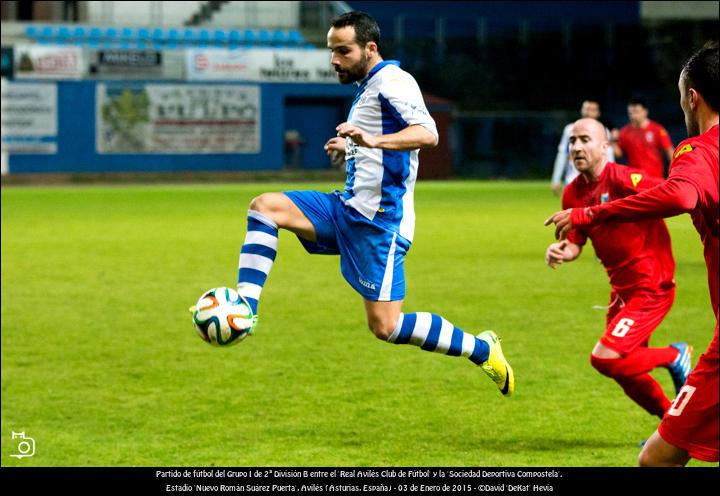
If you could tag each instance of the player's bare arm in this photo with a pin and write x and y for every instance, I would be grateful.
(614, 136)
(410, 138)
(335, 149)
(561, 252)
(669, 153)
(335, 145)
(562, 223)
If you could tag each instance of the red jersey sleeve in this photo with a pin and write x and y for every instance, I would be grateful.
(679, 194)
(635, 180)
(622, 138)
(569, 200)
(665, 141)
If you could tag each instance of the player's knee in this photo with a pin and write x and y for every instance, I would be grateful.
(606, 366)
(644, 459)
(647, 457)
(262, 203)
(382, 328)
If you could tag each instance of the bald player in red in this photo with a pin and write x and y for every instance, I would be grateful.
(690, 428)
(638, 259)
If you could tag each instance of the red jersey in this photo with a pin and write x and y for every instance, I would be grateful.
(692, 187)
(644, 147)
(635, 256)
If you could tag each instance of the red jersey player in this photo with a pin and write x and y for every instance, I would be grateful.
(643, 141)
(638, 259)
(690, 427)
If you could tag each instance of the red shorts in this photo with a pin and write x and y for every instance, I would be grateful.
(632, 319)
(691, 423)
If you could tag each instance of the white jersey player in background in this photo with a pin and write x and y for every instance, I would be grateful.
(371, 223)
(564, 170)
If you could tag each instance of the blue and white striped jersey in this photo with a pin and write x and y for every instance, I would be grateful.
(380, 183)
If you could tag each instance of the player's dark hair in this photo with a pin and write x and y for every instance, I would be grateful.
(366, 29)
(638, 100)
(700, 72)
(592, 99)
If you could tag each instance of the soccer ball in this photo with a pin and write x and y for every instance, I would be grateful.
(222, 317)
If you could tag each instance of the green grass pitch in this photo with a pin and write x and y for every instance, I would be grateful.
(101, 365)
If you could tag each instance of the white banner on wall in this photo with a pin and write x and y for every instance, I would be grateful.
(217, 65)
(260, 64)
(46, 62)
(29, 117)
(136, 64)
(162, 118)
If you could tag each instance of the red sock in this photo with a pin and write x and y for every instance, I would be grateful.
(646, 392)
(631, 373)
(643, 360)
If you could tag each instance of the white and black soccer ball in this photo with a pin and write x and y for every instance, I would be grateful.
(222, 317)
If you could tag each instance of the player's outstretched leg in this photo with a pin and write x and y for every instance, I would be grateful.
(433, 333)
(632, 373)
(256, 257)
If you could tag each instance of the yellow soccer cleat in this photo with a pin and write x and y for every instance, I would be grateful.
(496, 366)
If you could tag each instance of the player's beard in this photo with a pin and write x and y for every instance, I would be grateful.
(691, 124)
(355, 72)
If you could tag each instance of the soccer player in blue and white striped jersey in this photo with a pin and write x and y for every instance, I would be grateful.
(371, 223)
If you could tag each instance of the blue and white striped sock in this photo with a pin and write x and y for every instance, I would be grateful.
(433, 333)
(256, 256)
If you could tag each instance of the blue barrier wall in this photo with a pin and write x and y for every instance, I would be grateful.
(310, 117)
(77, 127)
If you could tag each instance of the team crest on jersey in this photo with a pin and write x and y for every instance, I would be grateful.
(605, 197)
(649, 137)
(635, 178)
(684, 149)
(350, 149)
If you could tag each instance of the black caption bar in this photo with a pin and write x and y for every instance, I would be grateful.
(340, 480)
